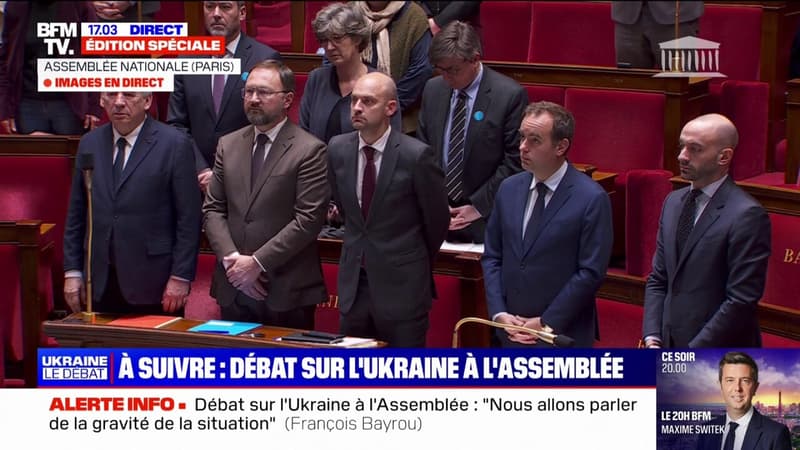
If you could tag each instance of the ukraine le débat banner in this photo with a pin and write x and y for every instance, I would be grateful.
(396, 399)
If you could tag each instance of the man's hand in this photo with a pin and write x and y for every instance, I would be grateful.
(9, 126)
(463, 216)
(74, 293)
(175, 293)
(244, 271)
(204, 178)
(90, 122)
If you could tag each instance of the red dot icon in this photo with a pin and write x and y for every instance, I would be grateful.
(47, 82)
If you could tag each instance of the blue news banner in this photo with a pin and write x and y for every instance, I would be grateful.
(340, 399)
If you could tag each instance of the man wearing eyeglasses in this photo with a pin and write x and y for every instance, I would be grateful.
(264, 208)
(469, 116)
(145, 211)
(209, 106)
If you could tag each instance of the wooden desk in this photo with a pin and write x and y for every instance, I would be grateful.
(73, 331)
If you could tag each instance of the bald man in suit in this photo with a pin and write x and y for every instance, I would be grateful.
(710, 265)
(391, 193)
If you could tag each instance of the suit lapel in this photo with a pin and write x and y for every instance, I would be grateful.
(233, 82)
(104, 177)
(754, 431)
(144, 143)
(439, 121)
(244, 160)
(710, 215)
(388, 162)
(482, 103)
(350, 183)
(559, 199)
(519, 203)
(283, 142)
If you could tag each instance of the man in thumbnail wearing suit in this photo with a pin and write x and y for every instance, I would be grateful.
(639, 26)
(391, 193)
(146, 213)
(548, 240)
(470, 116)
(713, 246)
(265, 207)
(745, 428)
(209, 106)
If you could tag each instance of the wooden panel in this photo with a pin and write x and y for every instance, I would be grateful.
(792, 131)
(33, 239)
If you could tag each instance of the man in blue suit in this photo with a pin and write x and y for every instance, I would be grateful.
(710, 264)
(208, 107)
(146, 213)
(744, 427)
(548, 239)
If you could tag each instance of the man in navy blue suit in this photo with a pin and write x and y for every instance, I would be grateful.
(712, 250)
(744, 427)
(195, 104)
(548, 239)
(146, 213)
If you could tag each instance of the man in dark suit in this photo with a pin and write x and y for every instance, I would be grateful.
(713, 246)
(745, 428)
(548, 240)
(470, 116)
(391, 193)
(209, 106)
(265, 207)
(639, 26)
(146, 213)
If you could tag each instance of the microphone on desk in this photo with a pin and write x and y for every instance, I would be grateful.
(85, 164)
(556, 340)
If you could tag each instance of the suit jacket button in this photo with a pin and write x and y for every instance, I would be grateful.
(522, 266)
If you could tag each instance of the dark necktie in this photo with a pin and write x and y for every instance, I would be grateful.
(258, 158)
(455, 151)
(731, 436)
(119, 160)
(538, 210)
(686, 220)
(216, 91)
(368, 181)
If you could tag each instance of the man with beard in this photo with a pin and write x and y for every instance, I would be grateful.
(208, 106)
(265, 205)
(713, 246)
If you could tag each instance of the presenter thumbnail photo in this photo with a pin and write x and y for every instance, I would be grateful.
(729, 400)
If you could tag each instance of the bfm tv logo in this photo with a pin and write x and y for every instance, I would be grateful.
(74, 367)
(689, 57)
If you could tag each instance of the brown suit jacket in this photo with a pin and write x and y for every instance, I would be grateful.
(278, 221)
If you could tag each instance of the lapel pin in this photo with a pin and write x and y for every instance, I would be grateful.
(244, 75)
(478, 115)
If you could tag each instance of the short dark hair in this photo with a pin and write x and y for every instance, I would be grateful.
(456, 40)
(284, 72)
(563, 120)
(739, 358)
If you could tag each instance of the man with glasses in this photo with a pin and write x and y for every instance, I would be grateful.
(470, 115)
(713, 247)
(208, 106)
(145, 211)
(265, 206)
